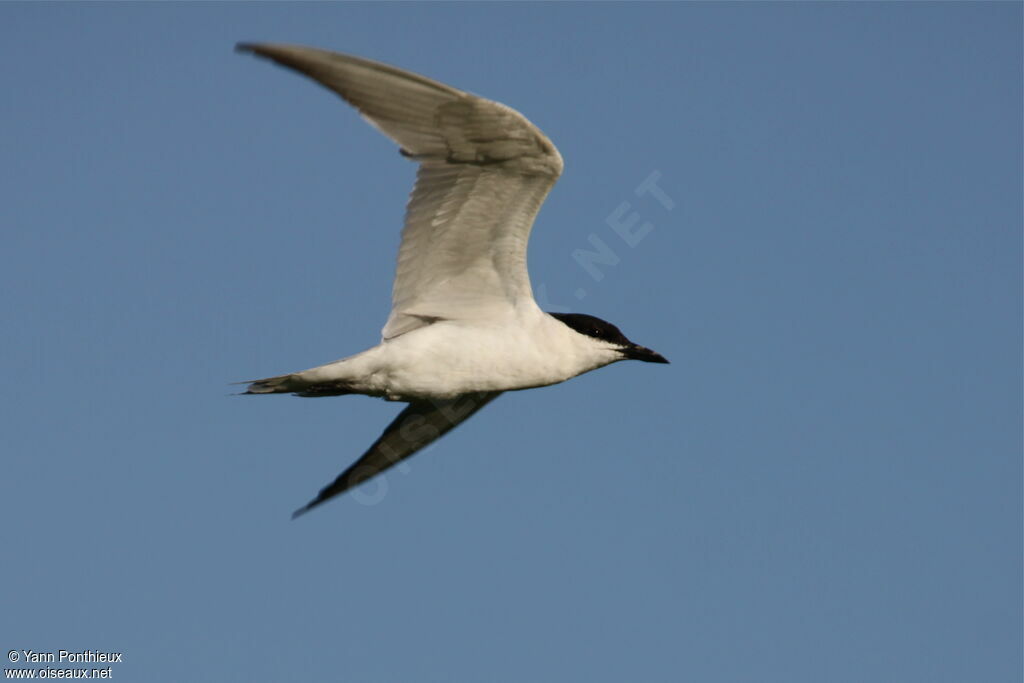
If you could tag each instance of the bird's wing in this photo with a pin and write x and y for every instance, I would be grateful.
(417, 426)
(484, 173)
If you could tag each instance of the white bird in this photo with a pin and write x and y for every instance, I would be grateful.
(464, 325)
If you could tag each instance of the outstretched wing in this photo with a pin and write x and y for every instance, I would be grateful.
(484, 173)
(415, 427)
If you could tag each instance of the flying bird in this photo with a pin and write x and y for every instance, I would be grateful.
(464, 326)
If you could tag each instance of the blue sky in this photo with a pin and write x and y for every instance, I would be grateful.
(825, 485)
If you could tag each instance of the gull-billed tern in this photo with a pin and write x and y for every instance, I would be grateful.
(464, 325)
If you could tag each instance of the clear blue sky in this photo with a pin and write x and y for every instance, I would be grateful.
(825, 485)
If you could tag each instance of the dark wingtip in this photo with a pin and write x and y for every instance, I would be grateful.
(303, 510)
(320, 499)
(245, 47)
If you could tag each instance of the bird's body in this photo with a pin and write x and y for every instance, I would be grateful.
(449, 358)
(464, 325)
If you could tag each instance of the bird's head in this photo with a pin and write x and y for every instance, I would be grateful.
(609, 338)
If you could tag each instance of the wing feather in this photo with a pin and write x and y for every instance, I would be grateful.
(417, 426)
(484, 172)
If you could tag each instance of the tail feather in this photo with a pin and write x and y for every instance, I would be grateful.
(294, 384)
(282, 384)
